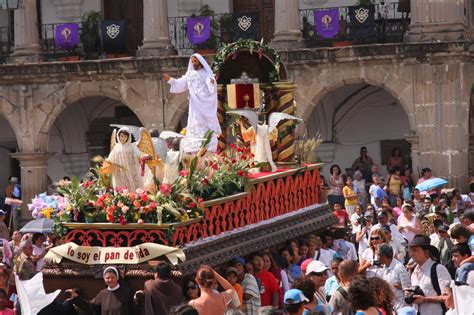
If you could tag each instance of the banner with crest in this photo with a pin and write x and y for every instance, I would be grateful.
(113, 35)
(198, 29)
(66, 36)
(362, 21)
(326, 22)
(245, 25)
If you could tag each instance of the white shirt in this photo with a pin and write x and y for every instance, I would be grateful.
(355, 223)
(397, 273)
(393, 229)
(325, 257)
(421, 276)
(36, 252)
(374, 271)
(399, 251)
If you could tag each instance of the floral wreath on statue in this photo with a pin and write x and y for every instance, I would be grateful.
(232, 50)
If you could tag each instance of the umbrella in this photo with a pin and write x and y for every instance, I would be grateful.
(431, 183)
(38, 226)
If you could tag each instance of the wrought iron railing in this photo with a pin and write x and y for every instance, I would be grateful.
(49, 48)
(390, 26)
(6, 43)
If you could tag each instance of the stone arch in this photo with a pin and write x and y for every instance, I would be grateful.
(7, 111)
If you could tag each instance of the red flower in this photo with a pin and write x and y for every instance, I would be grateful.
(122, 220)
(200, 200)
(241, 173)
(110, 217)
(244, 157)
(192, 204)
(233, 161)
(252, 155)
(246, 150)
(144, 197)
(260, 53)
(153, 204)
(165, 189)
(87, 184)
(239, 149)
(184, 173)
(232, 146)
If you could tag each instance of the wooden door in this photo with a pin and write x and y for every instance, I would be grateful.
(130, 11)
(266, 15)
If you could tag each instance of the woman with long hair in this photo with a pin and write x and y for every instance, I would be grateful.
(383, 295)
(211, 302)
(408, 224)
(362, 298)
(336, 182)
(394, 185)
(190, 288)
(395, 159)
(368, 259)
(351, 199)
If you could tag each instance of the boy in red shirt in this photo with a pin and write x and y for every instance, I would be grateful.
(341, 216)
(269, 289)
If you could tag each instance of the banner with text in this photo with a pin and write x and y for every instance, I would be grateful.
(113, 255)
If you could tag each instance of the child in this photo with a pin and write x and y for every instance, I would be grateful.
(231, 276)
(3, 299)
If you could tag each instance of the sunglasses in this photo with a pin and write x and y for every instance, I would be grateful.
(194, 287)
(375, 238)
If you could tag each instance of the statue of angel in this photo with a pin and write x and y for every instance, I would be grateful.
(260, 134)
(126, 159)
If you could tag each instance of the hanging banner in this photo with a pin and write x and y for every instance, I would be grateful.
(113, 35)
(362, 21)
(326, 22)
(245, 25)
(66, 36)
(113, 255)
(198, 29)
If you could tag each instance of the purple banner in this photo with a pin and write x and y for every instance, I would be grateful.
(326, 22)
(198, 29)
(66, 35)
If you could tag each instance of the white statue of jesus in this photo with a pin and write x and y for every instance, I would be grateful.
(201, 83)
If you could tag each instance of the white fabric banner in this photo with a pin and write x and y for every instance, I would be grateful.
(32, 296)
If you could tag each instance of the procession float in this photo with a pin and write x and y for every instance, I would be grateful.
(150, 199)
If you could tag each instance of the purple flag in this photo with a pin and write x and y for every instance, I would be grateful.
(326, 22)
(198, 29)
(66, 35)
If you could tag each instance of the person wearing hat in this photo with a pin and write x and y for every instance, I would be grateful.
(231, 274)
(294, 300)
(382, 217)
(13, 190)
(250, 289)
(468, 219)
(318, 273)
(113, 300)
(432, 277)
(399, 251)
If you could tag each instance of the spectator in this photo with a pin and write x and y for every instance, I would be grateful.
(426, 174)
(269, 291)
(341, 216)
(304, 249)
(382, 217)
(351, 199)
(408, 224)
(461, 252)
(231, 276)
(363, 163)
(4, 233)
(462, 235)
(211, 302)
(295, 246)
(395, 160)
(345, 249)
(417, 200)
(190, 288)
(15, 243)
(368, 259)
(468, 219)
(318, 273)
(433, 278)
(13, 190)
(184, 309)
(356, 219)
(9, 288)
(362, 237)
(115, 299)
(250, 288)
(383, 295)
(282, 281)
(24, 265)
(397, 209)
(395, 274)
(359, 188)
(332, 283)
(39, 250)
(394, 185)
(294, 301)
(162, 293)
(336, 182)
(361, 297)
(306, 285)
(398, 248)
(321, 254)
(444, 246)
(4, 308)
(408, 184)
(304, 265)
(293, 271)
(376, 192)
(339, 301)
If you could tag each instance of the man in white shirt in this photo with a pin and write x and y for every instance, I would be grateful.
(320, 253)
(432, 303)
(345, 249)
(399, 251)
(382, 217)
(395, 273)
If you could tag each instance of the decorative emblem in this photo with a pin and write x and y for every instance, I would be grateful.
(244, 23)
(361, 14)
(326, 20)
(199, 27)
(66, 34)
(113, 30)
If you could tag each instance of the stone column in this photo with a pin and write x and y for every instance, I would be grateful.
(437, 20)
(442, 118)
(27, 44)
(415, 153)
(156, 38)
(34, 179)
(287, 25)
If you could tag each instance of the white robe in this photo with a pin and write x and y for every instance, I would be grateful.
(202, 114)
(263, 150)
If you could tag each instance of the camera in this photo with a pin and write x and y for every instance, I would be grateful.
(376, 263)
(362, 221)
(415, 290)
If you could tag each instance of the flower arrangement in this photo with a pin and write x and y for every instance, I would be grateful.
(231, 51)
(46, 206)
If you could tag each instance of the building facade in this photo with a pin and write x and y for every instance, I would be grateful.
(415, 92)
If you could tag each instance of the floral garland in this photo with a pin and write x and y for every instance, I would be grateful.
(232, 50)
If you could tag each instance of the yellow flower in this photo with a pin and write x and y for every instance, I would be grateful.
(185, 217)
(183, 131)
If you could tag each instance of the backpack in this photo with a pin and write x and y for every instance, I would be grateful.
(345, 295)
(435, 284)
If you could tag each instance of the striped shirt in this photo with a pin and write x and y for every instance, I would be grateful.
(397, 273)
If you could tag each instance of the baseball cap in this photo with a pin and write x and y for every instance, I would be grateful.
(469, 214)
(385, 228)
(381, 214)
(305, 263)
(294, 296)
(368, 214)
(230, 270)
(316, 266)
(443, 227)
(238, 259)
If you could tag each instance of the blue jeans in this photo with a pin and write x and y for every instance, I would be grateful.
(462, 272)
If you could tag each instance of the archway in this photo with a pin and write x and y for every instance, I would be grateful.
(356, 115)
(8, 145)
(81, 131)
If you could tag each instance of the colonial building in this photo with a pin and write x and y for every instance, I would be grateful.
(409, 86)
